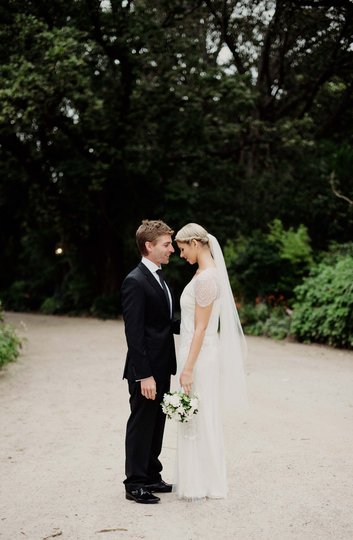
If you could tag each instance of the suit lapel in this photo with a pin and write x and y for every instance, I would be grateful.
(152, 280)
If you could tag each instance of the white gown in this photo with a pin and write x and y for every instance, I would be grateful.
(200, 467)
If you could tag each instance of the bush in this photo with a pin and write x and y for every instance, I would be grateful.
(254, 267)
(323, 310)
(17, 296)
(10, 343)
(336, 251)
(106, 307)
(50, 306)
(264, 320)
(253, 318)
(278, 325)
(294, 246)
(271, 264)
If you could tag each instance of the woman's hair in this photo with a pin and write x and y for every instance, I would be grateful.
(149, 231)
(192, 231)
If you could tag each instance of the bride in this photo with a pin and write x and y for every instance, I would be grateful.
(210, 364)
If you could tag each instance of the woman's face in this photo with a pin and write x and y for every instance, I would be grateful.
(188, 251)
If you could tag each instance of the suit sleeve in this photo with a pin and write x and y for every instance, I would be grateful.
(133, 305)
(176, 326)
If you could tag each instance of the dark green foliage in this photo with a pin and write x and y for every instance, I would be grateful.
(336, 251)
(255, 267)
(111, 112)
(269, 266)
(10, 343)
(323, 310)
(17, 297)
(106, 307)
(264, 320)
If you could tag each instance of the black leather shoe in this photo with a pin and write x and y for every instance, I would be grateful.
(160, 487)
(141, 495)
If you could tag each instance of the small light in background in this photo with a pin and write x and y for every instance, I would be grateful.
(59, 251)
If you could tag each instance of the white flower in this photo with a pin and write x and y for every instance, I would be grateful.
(175, 400)
(194, 403)
(179, 406)
(166, 399)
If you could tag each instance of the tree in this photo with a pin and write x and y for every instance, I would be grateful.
(116, 111)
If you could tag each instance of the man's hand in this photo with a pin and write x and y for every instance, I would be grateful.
(149, 388)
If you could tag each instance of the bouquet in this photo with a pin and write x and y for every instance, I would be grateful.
(179, 406)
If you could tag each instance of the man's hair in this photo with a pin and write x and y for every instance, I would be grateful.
(149, 231)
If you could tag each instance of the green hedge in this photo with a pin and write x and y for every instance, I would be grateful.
(10, 343)
(271, 264)
(323, 309)
(265, 320)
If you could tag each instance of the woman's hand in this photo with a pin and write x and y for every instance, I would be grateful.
(186, 381)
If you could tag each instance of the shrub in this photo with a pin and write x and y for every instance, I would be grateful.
(278, 325)
(252, 318)
(17, 296)
(323, 309)
(264, 320)
(106, 307)
(269, 264)
(294, 246)
(254, 266)
(10, 343)
(50, 306)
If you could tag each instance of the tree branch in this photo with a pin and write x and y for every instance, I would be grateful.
(336, 192)
(223, 23)
(263, 65)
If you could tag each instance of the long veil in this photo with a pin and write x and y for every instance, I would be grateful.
(233, 347)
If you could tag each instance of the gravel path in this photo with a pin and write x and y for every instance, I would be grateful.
(63, 413)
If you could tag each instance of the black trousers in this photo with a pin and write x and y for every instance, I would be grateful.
(144, 436)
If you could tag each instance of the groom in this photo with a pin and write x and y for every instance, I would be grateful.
(147, 305)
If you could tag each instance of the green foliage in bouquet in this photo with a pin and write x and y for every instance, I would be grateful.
(179, 406)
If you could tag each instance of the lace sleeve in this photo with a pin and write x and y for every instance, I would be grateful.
(206, 288)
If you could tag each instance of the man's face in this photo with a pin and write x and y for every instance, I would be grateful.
(160, 250)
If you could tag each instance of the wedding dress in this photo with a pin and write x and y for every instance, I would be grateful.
(200, 468)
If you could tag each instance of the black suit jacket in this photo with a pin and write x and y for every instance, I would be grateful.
(148, 327)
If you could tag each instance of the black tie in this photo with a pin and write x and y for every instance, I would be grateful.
(162, 280)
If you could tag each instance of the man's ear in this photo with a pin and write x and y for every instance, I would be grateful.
(148, 246)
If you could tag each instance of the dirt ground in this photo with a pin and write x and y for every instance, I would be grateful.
(63, 412)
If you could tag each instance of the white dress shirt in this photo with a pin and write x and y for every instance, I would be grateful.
(152, 267)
